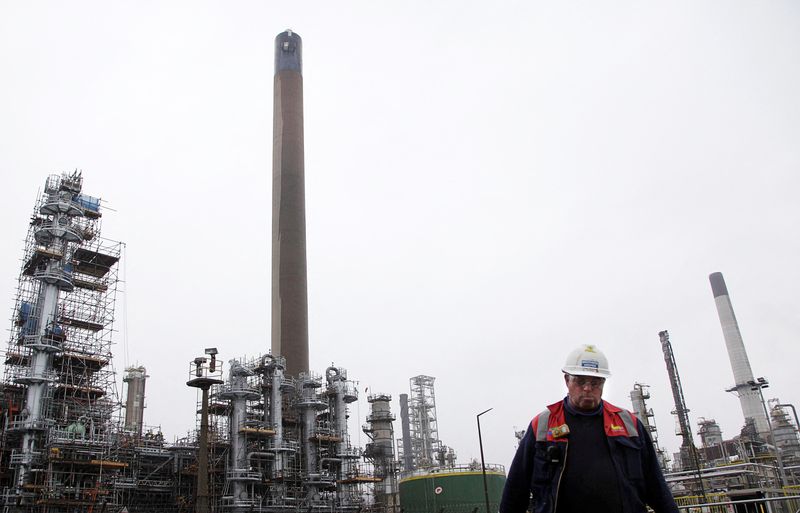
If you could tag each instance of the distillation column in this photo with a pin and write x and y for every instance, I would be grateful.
(309, 403)
(380, 450)
(742, 373)
(289, 281)
(136, 378)
(639, 395)
(709, 431)
(58, 233)
(786, 439)
(238, 391)
(274, 387)
(336, 389)
(342, 392)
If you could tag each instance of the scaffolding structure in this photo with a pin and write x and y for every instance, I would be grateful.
(159, 477)
(59, 397)
(264, 442)
(280, 443)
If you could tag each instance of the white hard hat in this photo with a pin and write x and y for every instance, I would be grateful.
(587, 360)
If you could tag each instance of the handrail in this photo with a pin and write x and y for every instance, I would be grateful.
(690, 507)
(490, 467)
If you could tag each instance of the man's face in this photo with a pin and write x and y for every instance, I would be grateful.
(584, 392)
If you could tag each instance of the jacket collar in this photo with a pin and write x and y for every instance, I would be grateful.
(605, 405)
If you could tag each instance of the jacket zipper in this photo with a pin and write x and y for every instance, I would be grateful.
(560, 475)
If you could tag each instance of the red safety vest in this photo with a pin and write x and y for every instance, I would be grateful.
(549, 425)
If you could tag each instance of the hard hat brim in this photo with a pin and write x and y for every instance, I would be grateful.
(580, 371)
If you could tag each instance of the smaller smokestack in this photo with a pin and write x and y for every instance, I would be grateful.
(408, 451)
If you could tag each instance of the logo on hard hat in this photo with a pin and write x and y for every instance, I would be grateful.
(590, 364)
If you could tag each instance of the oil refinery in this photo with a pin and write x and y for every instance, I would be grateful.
(270, 434)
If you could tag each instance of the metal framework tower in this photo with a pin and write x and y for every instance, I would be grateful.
(688, 449)
(424, 424)
(426, 448)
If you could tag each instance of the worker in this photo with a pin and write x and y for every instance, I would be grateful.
(585, 454)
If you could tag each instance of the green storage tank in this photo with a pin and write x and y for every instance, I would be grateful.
(451, 490)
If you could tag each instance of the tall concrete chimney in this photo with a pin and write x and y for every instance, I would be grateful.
(742, 373)
(289, 289)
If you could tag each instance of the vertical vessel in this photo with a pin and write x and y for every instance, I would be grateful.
(136, 379)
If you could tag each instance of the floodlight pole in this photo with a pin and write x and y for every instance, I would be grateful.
(483, 462)
(203, 376)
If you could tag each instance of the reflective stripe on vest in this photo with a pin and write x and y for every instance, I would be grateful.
(627, 421)
(541, 427)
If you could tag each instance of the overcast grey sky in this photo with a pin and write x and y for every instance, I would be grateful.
(489, 184)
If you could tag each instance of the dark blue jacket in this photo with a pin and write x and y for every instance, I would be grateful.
(535, 472)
